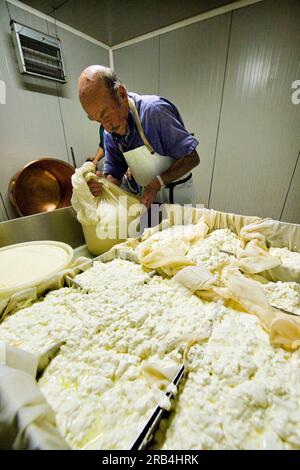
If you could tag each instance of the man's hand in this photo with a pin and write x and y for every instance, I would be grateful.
(93, 160)
(95, 186)
(150, 192)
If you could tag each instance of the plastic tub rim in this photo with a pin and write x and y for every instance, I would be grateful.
(67, 248)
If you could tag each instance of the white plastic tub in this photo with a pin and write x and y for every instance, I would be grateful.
(25, 265)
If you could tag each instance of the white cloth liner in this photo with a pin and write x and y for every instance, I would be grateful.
(107, 219)
(256, 234)
(26, 419)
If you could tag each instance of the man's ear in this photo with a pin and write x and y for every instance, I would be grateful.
(122, 93)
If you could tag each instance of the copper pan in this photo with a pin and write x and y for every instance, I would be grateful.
(41, 186)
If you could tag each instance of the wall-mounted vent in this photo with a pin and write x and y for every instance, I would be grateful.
(38, 54)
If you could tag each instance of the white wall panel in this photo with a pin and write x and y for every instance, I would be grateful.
(30, 127)
(291, 212)
(81, 133)
(192, 67)
(259, 136)
(137, 66)
(35, 122)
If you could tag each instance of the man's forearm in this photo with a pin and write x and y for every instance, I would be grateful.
(180, 167)
(99, 155)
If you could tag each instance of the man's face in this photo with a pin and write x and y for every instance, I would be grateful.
(111, 113)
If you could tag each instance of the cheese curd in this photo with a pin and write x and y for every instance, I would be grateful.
(124, 329)
(97, 384)
(203, 251)
(240, 392)
(108, 277)
(289, 259)
(103, 389)
(207, 252)
(284, 295)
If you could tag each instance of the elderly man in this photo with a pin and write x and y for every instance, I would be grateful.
(145, 133)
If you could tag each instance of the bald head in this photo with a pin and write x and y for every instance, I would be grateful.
(104, 98)
(95, 80)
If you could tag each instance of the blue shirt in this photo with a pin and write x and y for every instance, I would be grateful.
(162, 126)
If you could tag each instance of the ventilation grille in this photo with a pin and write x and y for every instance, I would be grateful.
(38, 54)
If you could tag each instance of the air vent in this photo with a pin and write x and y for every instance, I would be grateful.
(38, 54)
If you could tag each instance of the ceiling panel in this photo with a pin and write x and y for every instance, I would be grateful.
(116, 21)
(46, 6)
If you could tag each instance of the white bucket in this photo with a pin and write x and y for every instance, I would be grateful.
(96, 245)
(25, 265)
